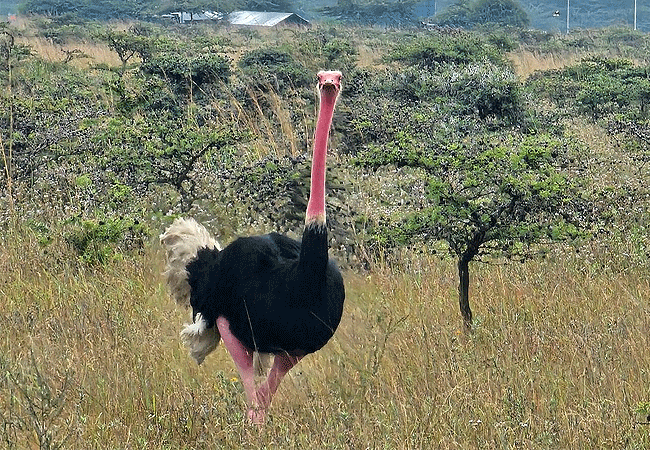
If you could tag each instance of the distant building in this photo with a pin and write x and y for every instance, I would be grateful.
(249, 18)
(187, 17)
(265, 19)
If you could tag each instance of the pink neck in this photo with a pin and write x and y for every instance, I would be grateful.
(316, 205)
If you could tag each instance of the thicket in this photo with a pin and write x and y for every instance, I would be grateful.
(478, 166)
(599, 87)
(491, 182)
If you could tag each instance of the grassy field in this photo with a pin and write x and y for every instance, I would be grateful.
(559, 358)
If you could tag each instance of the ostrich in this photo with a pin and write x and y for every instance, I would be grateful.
(264, 294)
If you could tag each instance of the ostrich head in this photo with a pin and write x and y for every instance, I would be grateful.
(329, 81)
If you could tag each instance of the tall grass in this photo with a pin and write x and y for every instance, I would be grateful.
(88, 53)
(270, 120)
(559, 359)
(526, 62)
(90, 356)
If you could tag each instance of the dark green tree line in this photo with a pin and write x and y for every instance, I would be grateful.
(470, 13)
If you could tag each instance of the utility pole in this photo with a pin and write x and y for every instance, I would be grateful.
(634, 14)
(567, 16)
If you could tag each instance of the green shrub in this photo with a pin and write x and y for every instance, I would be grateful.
(275, 68)
(265, 57)
(178, 68)
(598, 87)
(429, 105)
(340, 54)
(440, 49)
(489, 90)
(99, 241)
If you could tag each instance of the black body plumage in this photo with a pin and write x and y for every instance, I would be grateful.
(278, 294)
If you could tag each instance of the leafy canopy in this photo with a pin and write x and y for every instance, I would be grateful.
(493, 197)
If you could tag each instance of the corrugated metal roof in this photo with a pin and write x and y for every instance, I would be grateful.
(184, 17)
(264, 19)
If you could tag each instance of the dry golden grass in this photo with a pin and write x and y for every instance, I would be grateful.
(96, 53)
(527, 62)
(559, 359)
(90, 358)
(268, 118)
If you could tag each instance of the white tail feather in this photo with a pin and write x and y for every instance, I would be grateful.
(200, 339)
(182, 240)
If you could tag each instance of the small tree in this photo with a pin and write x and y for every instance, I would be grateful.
(127, 45)
(456, 15)
(492, 199)
(489, 198)
(157, 150)
(602, 88)
(7, 42)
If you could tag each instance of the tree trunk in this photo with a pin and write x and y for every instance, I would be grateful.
(463, 291)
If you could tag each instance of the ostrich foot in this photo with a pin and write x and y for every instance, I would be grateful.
(261, 399)
(257, 416)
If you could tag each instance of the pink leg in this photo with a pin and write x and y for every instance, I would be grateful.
(282, 363)
(243, 358)
(260, 399)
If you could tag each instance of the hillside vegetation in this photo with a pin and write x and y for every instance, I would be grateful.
(519, 157)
